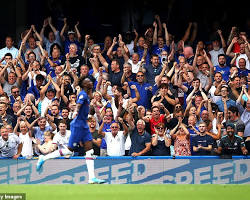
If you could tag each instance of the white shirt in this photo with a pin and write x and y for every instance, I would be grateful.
(135, 67)
(62, 140)
(34, 77)
(211, 92)
(9, 148)
(44, 104)
(115, 145)
(26, 140)
(12, 50)
(130, 47)
(214, 56)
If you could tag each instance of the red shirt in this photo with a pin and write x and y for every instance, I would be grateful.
(236, 47)
(153, 123)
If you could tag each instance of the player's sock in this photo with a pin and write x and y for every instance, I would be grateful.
(90, 163)
(58, 153)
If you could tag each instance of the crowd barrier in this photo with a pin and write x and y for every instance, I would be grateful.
(129, 170)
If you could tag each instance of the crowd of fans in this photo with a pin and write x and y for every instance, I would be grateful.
(151, 95)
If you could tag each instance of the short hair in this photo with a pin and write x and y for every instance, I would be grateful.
(160, 125)
(154, 55)
(73, 44)
(233, 109)
(65, 108)
(196, 79)
(40, 77)
(142, 121)
(222, 55)
(93, 45)
(225, 86)
(91, 118)
(63, 121)
(13, 87)
(127, 63)
(116, 60)
(49, 133)
(8, 54)
(163, 85)
(31, 53)
(154, 107)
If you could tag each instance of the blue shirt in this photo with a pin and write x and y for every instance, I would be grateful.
(82, 99)
(67, 43)
(204, 141)
(52, 69)
(243, 72)
(48, 44)
(157, 50)
(140, 51)
(152, 72)
(225, 72)
(220, 104)
(39, 134)
(33, 90)
(145, 93)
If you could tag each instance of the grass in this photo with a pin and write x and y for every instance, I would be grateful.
(130, 192)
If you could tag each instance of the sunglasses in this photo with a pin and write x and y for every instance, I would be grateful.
(160, 128)
(140, 75)
(114, 127)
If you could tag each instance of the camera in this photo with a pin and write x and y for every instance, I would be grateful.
(163, 59)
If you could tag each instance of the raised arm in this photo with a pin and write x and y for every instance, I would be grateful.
(223, 42)
(110, 50)
(194, 32)
(44, 89)
(51, 25)
(166, 34)
(136, 39)
(63, 29)
(155, 33)
(137, 94)
(3, 71)
(45, 24)
(158, 19)
(78, 32)
(124, 126)
(187, 32)
(229, 49)
(36, 33)
(103, 61)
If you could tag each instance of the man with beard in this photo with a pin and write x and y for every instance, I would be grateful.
(222, 68)
(234, 118)
(231, 144)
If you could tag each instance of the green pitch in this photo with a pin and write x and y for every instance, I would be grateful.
(130, 192)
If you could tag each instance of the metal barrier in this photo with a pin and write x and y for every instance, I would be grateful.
(130, 170)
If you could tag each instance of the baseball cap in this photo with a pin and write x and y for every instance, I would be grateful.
(71, 32)
(55, 99)
(51, 90)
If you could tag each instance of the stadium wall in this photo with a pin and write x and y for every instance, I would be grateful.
(128, 170)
